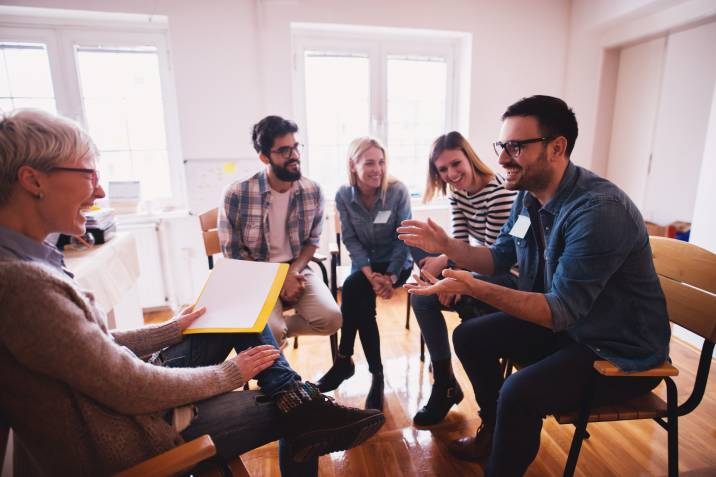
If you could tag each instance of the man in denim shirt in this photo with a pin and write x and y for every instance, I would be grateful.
(587, 290)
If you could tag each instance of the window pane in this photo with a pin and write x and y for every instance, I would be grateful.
(417, 89)
(25, 79)
(337, 110)
(122, 97)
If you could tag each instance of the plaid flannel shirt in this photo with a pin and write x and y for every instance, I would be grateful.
(243, 220)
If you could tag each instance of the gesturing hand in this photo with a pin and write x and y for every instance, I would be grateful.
(254, 360)
(428, 236)
(188, 316)
(458, 282)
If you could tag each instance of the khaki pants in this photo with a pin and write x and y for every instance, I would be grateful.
(316, 312)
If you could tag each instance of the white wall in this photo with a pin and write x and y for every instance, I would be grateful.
(703, 232)
(232, 58)
(596, 26)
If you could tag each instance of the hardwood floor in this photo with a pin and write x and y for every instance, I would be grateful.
(628, 448)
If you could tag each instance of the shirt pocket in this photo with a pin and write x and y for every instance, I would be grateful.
(252, 231)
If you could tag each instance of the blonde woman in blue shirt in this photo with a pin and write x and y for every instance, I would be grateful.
(371, 207)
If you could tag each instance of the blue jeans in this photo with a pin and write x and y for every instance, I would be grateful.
(557, 374)
(428, 313)
(238, 421)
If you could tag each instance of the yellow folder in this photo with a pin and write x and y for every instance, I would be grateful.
(239, 296)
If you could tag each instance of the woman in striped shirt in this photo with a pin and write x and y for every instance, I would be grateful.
(480, 205)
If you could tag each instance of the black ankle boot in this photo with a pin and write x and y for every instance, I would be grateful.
(446, 392)
(342, 369)
(375, 394)
(315, 425)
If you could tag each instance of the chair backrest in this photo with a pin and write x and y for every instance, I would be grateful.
(337, 227)
(688, 276)
(208, 221)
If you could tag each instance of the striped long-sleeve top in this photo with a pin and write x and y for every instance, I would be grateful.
(481, 215)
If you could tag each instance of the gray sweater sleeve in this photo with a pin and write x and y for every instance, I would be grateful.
(50, 328)
(146, 340)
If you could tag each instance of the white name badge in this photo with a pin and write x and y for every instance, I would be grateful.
(520, 228)
(382, 217)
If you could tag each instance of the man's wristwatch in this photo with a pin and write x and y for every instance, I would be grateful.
(451, 263)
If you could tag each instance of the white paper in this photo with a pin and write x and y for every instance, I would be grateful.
(382, 217)
(519, 229)
(236, 293)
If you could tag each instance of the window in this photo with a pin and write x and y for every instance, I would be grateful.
(114, 83)
(399, 87)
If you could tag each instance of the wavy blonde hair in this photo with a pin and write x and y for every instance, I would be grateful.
(356, 149)
(30, 137)
(448, 142)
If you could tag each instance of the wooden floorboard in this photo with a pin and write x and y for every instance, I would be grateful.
(633, 448)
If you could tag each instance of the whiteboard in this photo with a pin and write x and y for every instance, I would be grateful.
(207, 178)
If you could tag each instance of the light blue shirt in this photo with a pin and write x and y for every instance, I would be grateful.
(17, 246)
(370, 235)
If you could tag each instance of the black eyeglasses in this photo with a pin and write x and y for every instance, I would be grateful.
(93, 172)
(286, 151)
(514, 148)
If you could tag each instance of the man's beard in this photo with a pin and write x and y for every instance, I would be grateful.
(534, 178)
(282, 173)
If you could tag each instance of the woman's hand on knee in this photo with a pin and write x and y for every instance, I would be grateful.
(254, 360)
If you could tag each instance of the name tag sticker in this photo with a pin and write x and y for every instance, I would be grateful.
(382, 217)
(521, 227)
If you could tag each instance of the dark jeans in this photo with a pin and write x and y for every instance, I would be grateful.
(428, 313)
(558, 379)
(358, 309)
(238, 421)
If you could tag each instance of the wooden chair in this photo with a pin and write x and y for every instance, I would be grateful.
(178, 460)
(688, 277)
(209, 222)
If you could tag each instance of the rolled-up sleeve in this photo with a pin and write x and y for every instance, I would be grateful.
(359, 255)
(592, 253)
(400, 252)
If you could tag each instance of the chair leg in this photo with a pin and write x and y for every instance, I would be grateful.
(334, 345)
(422, 348)
(407, 314)
(580, 431)
(295, 342)
(673, 427)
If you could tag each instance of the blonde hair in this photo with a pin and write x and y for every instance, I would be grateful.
(357, 148)
(448, 142)
(34, 138)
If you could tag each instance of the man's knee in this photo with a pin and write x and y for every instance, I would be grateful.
(328, 321)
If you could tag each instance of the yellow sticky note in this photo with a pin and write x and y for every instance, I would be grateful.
(229, 168)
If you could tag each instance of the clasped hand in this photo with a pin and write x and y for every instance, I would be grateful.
(293, 287)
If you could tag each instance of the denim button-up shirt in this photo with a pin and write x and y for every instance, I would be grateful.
(370, 242)
(599, 276)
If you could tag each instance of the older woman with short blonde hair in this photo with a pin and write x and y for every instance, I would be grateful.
(79, 397)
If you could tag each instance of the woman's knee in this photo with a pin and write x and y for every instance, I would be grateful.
(424, 303)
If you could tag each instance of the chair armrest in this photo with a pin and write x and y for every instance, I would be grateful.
(333, 248)
(319, 257)
(608, 369)
(175, 461)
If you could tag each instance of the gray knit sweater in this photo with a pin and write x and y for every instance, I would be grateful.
(76, 395)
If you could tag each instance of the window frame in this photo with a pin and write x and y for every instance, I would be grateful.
(379, 44)
(60, 38)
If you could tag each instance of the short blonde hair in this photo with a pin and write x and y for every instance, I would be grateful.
(34, 138)
(359, 146)
(448, 142)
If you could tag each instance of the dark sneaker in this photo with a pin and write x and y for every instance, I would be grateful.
(440, 402)
(342, 369)
(316, 425)
(473, 449)
(375, 394)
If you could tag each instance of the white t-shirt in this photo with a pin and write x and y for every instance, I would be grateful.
(279, 246)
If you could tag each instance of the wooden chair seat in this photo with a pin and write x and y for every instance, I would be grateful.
(648, 406)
